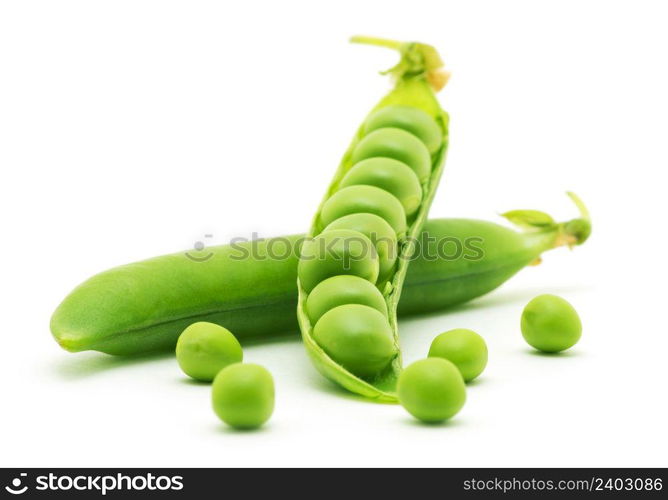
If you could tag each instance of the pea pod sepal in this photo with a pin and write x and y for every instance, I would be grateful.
(571, 233)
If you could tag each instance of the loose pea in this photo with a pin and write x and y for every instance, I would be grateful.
(398, 144)
(432, 390)
(335, 252)
(365, 199)
(378, 231)
(410, 119)
(550, 324)
(465, 348)
(358, 337)
(391, 175)
(203, 349)
(339, 290)
(243, 395)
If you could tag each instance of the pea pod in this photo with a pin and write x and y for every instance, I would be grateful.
(492, 255)
(354, 345)
(142, 307)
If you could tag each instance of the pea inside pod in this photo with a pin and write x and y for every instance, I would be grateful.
(341, 290)
(378, 231)
(391, 175)
(410, 119)
(398, 144)
(358, 337)
(336, 252)
(365, 199)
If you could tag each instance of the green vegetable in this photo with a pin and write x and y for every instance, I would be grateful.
(398, 144)
(378, 231)
(465, 348)
(250, 287)
(337, 252)
(365, 199)
(391, 175)
(243, 395)
(432, 390)
(480, 256)
(550, 324)
(413, 120)
(361, 353)
(340, 290)
(203, 349)
(357, 336)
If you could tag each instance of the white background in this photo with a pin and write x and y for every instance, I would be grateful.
(131, 128)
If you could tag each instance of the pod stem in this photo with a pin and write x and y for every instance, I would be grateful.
(575, 231)
(570, 233)
(380, 42)
(418, 60)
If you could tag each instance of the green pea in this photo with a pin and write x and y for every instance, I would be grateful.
(391, 175)
(335, 252)
(243, 395)
(379, 232)
(358, 337)
(432, 390)
(398, 144)
(340, 290)
(203, 349)
(365, 199)
(550, 324)
(410, 119)
(465, 348)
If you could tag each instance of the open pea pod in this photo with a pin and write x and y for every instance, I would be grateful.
(417, 77)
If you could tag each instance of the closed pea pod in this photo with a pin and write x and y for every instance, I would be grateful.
(341, 290)
(488, 256)
(365, 199)
(144, 306)
(397, 144)
(391, 175)
(355, 345)
(378, 231)
(412, 120)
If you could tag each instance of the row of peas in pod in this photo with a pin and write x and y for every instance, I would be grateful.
(345, 268)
